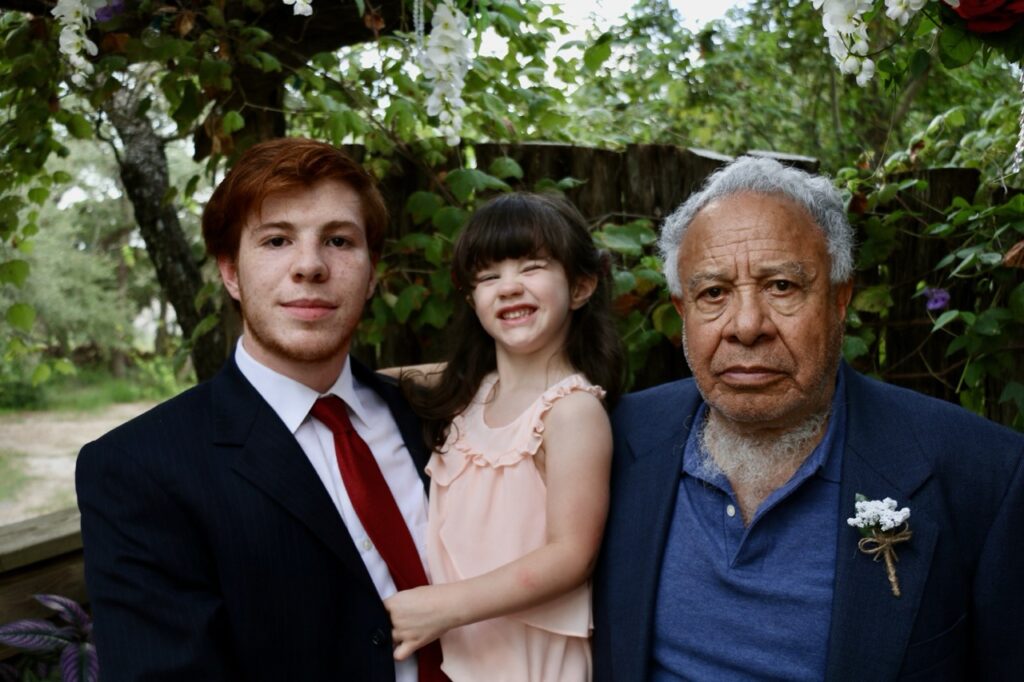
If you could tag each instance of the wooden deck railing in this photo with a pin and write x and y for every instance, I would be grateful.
(39, 556)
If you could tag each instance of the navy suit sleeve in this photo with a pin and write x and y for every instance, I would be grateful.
(998, 607)
(157, 612)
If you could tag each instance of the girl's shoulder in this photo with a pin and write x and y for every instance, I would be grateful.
(574, 400)
(572, 384)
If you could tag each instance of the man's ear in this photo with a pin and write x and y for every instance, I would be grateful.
(371, 285)
(843, 293)
(677, 303)
(582, 290)
(228, 267)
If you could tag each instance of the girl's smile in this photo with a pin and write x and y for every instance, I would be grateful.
(524, 304)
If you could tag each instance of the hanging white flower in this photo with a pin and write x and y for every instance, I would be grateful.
(847, 32)
(301, 7)
(445, 62)
(902, 11)
(74, 17)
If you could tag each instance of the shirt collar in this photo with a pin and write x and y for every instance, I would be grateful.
(290, 399)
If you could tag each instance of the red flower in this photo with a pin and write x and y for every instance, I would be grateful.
(990, 16)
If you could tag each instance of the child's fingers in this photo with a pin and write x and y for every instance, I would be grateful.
(404, 650)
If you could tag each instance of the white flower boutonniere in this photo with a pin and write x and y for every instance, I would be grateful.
(882, 526)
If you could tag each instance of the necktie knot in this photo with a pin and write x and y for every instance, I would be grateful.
(332, 412)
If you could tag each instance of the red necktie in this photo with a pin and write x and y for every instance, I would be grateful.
(377, 511)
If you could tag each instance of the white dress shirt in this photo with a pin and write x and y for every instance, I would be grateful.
(372, 420)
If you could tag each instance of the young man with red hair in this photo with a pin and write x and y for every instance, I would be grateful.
(224, 537)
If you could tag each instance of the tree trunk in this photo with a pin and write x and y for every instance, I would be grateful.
(145, 177)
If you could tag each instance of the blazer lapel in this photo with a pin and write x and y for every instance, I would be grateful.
(269, 457)
(870, 626)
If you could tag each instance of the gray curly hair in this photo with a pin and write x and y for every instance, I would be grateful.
(764, 176)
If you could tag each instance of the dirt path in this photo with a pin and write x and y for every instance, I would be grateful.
(43, 446)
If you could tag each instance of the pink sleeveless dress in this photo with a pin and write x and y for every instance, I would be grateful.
(488, 508)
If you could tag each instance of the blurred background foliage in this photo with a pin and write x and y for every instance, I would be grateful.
(101, 184)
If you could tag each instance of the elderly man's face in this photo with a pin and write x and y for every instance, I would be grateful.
(762, 323)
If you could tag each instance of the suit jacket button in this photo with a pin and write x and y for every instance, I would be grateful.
(379, 637)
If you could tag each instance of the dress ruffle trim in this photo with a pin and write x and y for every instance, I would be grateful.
(461, 453)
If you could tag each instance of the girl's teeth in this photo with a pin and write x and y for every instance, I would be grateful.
(515, 314)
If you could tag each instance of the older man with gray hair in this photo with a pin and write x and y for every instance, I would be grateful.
(735, 548)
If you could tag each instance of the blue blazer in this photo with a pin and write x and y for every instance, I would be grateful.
(961, 613)
(213, 551)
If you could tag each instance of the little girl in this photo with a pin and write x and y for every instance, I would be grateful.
(522, 449)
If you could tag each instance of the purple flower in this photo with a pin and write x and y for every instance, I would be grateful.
(109, 11)
(936, 298)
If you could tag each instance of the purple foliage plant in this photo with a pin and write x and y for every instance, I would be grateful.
(67, 644)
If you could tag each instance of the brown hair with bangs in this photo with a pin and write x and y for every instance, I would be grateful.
(521, 225)
(280, 165)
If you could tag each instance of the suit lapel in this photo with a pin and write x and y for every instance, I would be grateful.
(870, 626)
(269, 457)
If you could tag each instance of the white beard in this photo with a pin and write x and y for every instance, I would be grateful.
(757, 462)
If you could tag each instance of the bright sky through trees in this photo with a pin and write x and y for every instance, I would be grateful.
(695, 13)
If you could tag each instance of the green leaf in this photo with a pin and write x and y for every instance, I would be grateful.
(624, 281)
(854, 347)
(61, 177)
(957, 46)
(1013, 391)
(436, 312)
(411, 298)
(666, 320)
(567, 183)
(989, 323)
(64, 367)
(38, 195)
(1016, 303)
(232, 122)
(41, 373)
(596, 55)
(505, 167)
(14, 272)
(465, 181)
(21, 316)
(629, 239)
(423, 205)
(944, 319)
(434, 253)
(874, 299)
(268, 62)
(209, 289)
(205, 325)
(919, 63)
(449, 219)
(79, 126)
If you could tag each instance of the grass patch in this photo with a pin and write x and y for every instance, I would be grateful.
(12, 478)
(91, 389)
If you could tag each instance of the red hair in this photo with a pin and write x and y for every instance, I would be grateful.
(281, 165)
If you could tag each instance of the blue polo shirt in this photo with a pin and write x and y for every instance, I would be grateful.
(750, 603)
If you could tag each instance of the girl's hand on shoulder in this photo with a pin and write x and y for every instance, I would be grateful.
(418, 617)
(424, 375)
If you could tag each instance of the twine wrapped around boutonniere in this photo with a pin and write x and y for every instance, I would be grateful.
(882, 526)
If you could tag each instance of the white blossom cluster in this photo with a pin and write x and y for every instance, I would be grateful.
(847, 32)
(880, 513)
(302, 8)
(74, 17)
(445, 62)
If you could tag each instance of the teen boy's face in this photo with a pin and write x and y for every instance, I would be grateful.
(302, 276)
